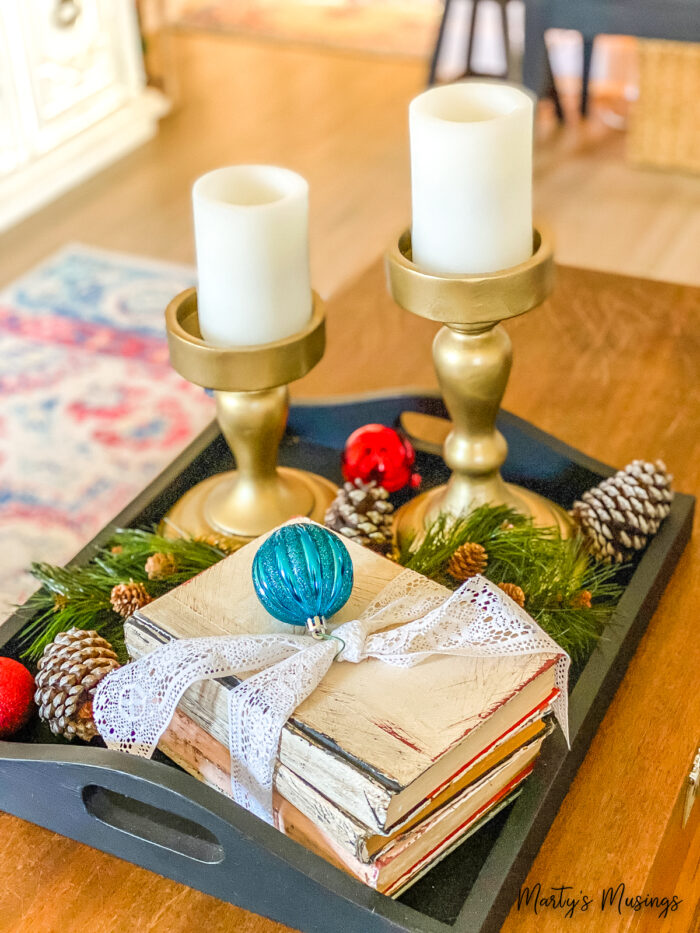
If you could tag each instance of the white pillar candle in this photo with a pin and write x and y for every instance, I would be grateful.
(471, 177)
(251, 230)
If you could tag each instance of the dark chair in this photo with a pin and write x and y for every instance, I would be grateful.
(469, 70)
(470, 39)
(650, 19)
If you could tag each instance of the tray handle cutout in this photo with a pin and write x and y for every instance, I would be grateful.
(152, 824)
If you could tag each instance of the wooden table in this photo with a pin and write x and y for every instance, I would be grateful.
(609, 365)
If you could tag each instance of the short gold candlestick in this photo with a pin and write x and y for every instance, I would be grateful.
(472, 355)
(252, 401)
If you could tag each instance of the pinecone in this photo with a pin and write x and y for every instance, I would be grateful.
(220, 542)
(582, 600)
(126, 598)
(60, 601)
(362, 511)
(620, 514)
(69, 671)
(160, 565)
(515, 593)
(469, 559)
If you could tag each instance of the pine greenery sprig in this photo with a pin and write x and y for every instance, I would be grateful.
(552, 571)
(80, 596)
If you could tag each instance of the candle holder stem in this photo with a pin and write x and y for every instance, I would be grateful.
(472, 368)
(258, 495)
(253, 424)
(252, 403)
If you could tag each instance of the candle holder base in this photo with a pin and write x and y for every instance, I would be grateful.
(195, 514)
(413, 517)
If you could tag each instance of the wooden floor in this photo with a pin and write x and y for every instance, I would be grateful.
(341, 120)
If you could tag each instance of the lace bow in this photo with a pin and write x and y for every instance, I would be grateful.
(410, 619)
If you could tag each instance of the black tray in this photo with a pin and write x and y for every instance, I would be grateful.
(153, 814)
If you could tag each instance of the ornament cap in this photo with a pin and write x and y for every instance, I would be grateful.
(316, 626)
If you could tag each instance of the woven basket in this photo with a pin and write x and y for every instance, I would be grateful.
(664, 128)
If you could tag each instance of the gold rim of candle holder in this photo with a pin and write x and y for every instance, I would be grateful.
(472, 355)
(240, 368)
(252, 402)
(471, 300)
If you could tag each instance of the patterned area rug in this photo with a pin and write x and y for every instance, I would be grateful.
(91, 409)
(394, 27)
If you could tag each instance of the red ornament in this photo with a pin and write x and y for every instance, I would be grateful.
(378, 453)
(16, 696)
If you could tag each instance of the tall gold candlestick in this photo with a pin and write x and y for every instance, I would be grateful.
(472, 355)
(252, 401)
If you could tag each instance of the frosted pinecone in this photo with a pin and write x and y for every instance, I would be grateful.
(69, 671)
(362, 512)
(619, 515)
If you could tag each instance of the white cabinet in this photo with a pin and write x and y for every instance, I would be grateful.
(72, 96)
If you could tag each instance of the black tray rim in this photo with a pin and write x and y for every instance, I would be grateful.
(533, 812)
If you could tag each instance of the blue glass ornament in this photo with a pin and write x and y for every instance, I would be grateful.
(303, 574)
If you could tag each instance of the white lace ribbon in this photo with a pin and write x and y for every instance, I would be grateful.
(410, 619)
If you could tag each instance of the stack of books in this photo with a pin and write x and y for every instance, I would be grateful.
(382, 770)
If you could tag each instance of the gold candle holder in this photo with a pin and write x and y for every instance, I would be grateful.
(252, 402)
(473, 355)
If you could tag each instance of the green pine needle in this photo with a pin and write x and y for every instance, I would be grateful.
(550, 570)
(78, 597)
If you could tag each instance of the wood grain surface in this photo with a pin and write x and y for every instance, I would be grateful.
(609, 364)
(341, 120)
